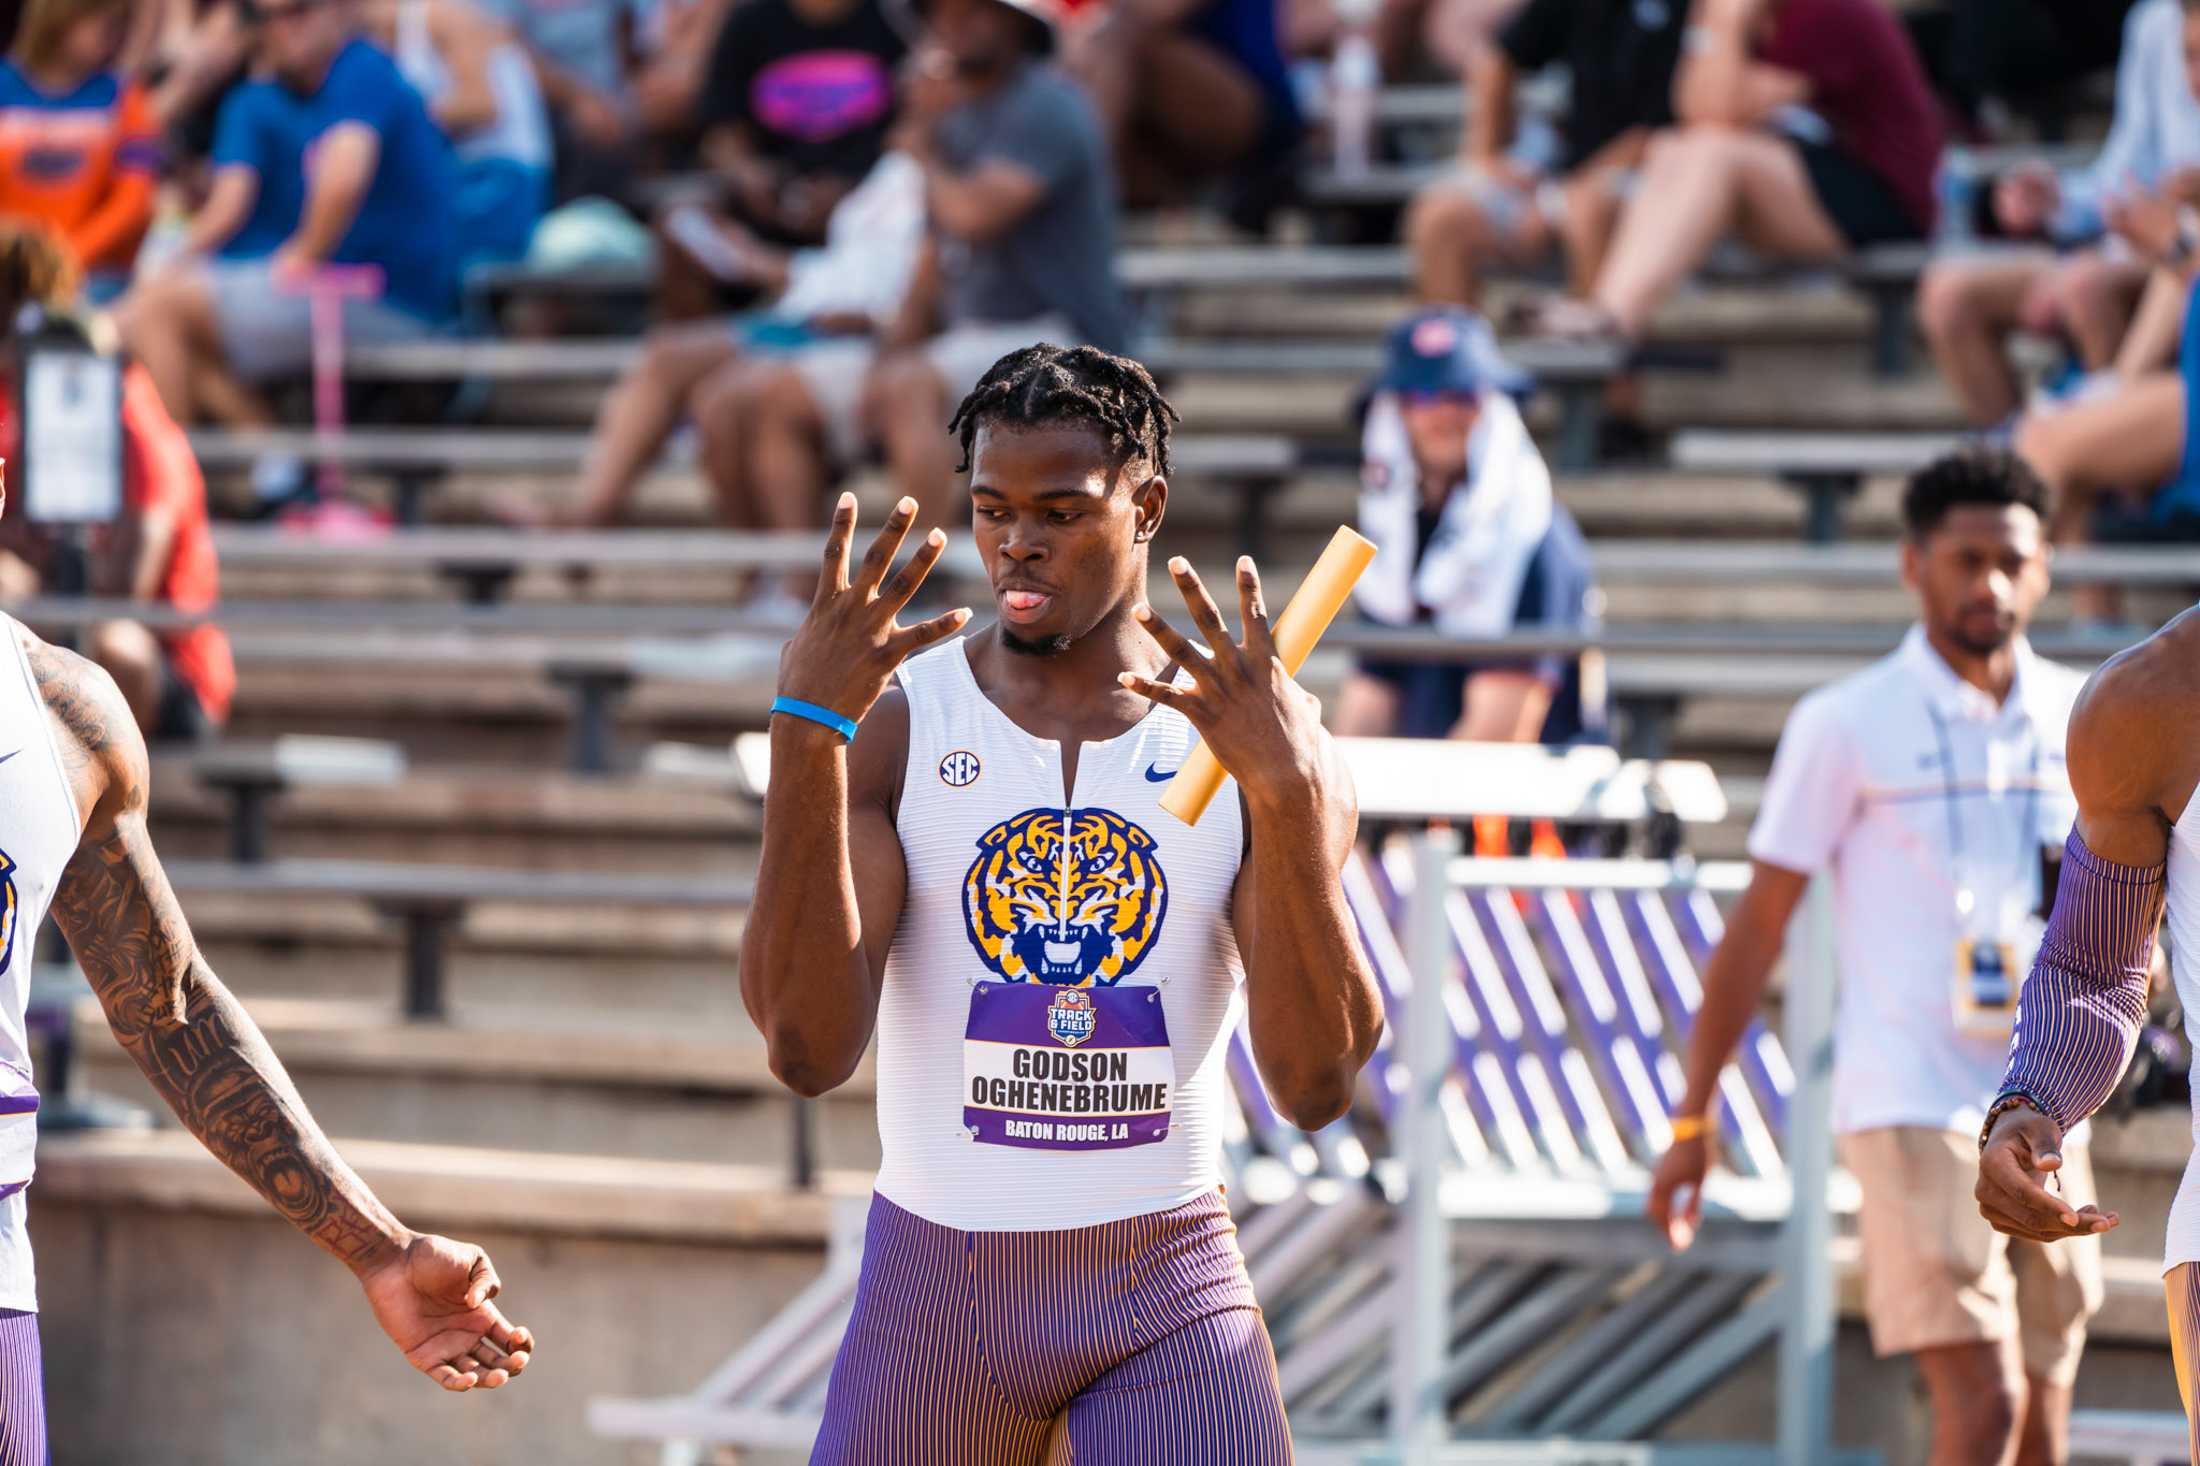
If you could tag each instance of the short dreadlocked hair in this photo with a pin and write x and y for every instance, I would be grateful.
(1046, 384)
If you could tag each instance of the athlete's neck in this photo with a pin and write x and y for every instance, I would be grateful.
(1073, 692)
(1992, 673)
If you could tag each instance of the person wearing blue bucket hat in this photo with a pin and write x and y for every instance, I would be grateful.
(1473, 544)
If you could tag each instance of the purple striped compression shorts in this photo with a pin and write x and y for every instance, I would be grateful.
(22, 1391)
(1142, 1335)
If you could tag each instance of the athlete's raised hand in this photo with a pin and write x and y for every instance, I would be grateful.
(1262, 727)
(435, 1299)
(2022, 1153)
(847, 648)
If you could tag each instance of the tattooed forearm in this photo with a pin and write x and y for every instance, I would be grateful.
(197, 1045)
(202, 1051)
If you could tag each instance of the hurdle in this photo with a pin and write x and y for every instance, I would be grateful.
(1460, 1271)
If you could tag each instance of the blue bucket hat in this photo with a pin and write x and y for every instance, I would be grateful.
(1448, 349)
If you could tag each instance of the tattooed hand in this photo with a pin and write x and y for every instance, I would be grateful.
(206, 1057)
(434, 1301)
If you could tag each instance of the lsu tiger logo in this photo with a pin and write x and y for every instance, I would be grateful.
(7, 909)
(1071, 897)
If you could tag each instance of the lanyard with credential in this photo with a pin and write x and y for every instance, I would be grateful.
(1966, 898)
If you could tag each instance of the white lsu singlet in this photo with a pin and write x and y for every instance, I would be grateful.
(2182, 895)
(1059, 996)
(39, 830)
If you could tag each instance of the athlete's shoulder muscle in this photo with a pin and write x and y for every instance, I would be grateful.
(2133, 754)
(101, 749)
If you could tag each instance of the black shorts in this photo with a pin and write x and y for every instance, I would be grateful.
(180, 717)
(1861, 204)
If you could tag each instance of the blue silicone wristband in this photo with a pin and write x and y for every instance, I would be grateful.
(797, 708)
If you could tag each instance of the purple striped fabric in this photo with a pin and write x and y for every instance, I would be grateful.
(2080, 1013)
(1141, 1336)
(22, 1391)
(2181, 1287)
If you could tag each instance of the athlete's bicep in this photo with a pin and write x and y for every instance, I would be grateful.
(113, 902)
(2124, 757)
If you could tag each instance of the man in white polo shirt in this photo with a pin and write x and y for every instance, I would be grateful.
(1931, 787)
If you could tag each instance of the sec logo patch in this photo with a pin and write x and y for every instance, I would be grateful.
(959, 769)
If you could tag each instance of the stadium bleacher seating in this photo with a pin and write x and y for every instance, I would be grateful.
(495, 934)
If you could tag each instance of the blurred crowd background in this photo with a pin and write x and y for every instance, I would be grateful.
(486, 368)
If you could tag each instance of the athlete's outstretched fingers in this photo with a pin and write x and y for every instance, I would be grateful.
(896, 592)
(1205, 614)
(834, 578)
(1160, 692)
(880, 556)
(910, 640)
(1260, 640)
(1174, 642)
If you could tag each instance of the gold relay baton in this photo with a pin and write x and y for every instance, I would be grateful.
(1318, 600)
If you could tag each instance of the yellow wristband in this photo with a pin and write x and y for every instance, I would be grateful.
(1689, 1127)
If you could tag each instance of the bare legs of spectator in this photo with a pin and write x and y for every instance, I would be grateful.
(2093, 298)
(2151, 342)
(2125, 444)
(131, 656)
(1367, 707)
(1454, 238)
(909, 406)
(641, 412)
(168, 325)
(1967, 309)
(1176, 109)
(1699, 185)
(1503, 707)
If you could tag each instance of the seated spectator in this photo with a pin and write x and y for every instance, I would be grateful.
(1969, 305)
(1188, 91)
(1021, 250)
(331, 159)
(583, 55)
(193, 57)
(1470, 543)
(850, 287)
(481, 91)
(795, 111)
(79, 149)
(1806, 130)
(159, 552)
(2122, 465)
(1501, 207)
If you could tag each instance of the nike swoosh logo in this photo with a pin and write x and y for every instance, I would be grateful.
(1155, 774)
(4, 757)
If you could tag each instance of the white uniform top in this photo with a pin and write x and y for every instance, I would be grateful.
(39, 830)
(2182, 892)
(1132, 899)
(1862, 786)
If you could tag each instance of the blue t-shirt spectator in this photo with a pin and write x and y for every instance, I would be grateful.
(404, 224)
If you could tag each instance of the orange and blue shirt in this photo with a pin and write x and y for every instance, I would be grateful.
(83, 163)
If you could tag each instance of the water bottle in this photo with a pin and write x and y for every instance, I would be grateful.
(1356, 79)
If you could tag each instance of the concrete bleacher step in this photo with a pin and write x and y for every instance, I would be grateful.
(535, 818)
(673, 1094)
(637, 1275)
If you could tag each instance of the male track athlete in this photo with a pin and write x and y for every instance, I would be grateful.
(73, 838)
(2135, 767)
(984, 877)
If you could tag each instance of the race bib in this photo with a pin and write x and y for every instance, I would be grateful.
(1064, 1068)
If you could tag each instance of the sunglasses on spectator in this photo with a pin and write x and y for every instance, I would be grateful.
(1438, 396)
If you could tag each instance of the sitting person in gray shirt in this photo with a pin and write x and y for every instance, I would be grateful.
(1021, 249)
